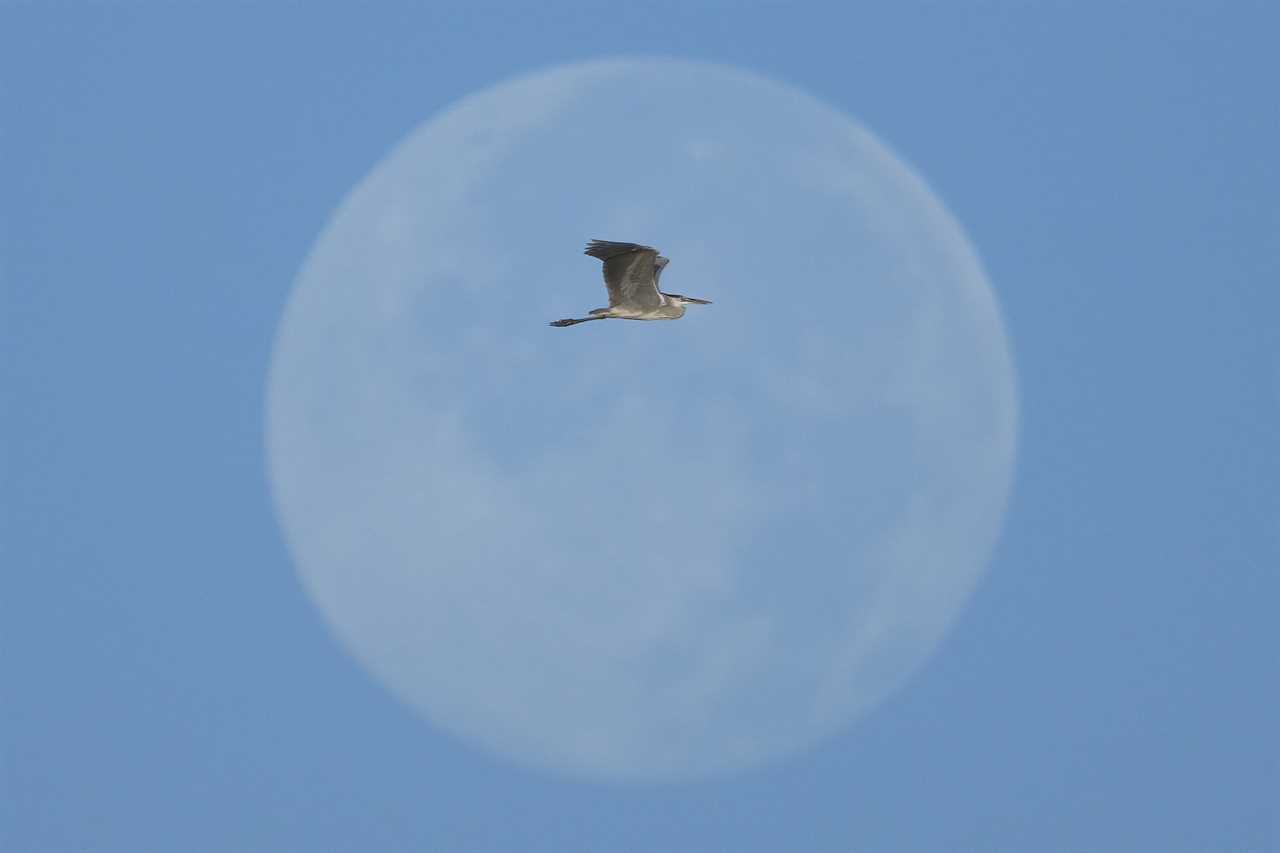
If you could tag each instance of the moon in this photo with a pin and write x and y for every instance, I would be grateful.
(641, 551)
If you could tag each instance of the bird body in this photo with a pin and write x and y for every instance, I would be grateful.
(631, 274)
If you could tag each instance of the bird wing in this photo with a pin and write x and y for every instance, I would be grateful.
(659, 264)
(630, 272)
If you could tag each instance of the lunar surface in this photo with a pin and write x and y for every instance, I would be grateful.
(631, 550)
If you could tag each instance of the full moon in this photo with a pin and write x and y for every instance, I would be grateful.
(641, 550)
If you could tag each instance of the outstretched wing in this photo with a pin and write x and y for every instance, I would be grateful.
(630, 272)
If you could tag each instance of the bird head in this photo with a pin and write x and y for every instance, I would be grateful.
(688, 300)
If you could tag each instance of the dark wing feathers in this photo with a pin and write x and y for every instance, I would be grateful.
(606, 249)
(630, 272)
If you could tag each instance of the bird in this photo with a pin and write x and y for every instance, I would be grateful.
(631, 274)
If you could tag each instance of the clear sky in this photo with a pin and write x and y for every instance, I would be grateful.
(165, 682)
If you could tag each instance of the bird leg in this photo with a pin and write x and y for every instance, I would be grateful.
(572, 322)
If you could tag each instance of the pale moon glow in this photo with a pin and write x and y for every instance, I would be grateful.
(641, 550)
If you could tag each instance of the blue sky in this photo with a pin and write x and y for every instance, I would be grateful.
(168, 685)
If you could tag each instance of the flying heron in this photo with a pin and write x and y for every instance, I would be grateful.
(631, 274)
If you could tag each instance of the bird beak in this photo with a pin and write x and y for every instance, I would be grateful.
(697, 301)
